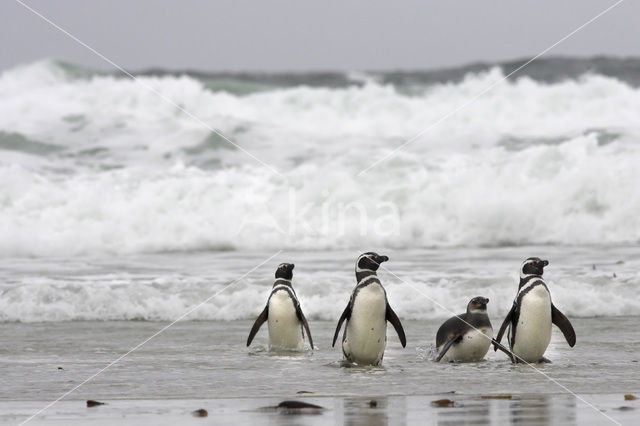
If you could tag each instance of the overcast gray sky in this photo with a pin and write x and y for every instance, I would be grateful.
(303, 35)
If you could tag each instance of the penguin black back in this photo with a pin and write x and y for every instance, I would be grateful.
(283, 312)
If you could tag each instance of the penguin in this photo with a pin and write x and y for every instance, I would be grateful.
(466, 337)
(283, 314)
(365, 333)
(532, 314)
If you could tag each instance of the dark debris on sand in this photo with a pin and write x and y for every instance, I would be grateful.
(443, 403)
(298, 405)
(92, 403)
(200, 413)
(294, 407)
(506, 396)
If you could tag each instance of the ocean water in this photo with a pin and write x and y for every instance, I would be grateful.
(119, 213)
(423, 284)
(98, 164)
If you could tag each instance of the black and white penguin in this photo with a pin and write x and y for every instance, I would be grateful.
(532, 314)
(284, 315)
(466, 337)
(365, 334)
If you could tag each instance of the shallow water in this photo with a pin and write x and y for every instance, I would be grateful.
(206, 359)
(49, 347)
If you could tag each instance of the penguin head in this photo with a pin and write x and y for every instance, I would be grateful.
(477, 305)
(533, 266)
(285, 270)
(369, 261)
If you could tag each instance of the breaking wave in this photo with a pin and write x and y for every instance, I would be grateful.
(96, 163)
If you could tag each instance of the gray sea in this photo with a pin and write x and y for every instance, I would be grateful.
(120, 214)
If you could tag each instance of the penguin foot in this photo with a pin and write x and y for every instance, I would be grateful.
(544, 360)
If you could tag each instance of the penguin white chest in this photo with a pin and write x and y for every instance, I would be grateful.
(533, 330)
(285, 330)
(473, 347)
(366, 332)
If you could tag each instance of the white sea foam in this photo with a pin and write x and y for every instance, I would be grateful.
(102, 165)
(323, 296)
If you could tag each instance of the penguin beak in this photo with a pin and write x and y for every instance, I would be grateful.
(292, 266)
(486, 300)
(545, 263)
(381, 259)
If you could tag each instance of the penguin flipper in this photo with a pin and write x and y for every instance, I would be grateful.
(395, 321)
(497, 345)
(304, 322)
(455, 339)
(503, 327)
(258, 323)
(564, 325)
(346, 314)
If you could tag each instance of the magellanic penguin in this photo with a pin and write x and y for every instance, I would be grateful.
(365, 334)
(532, 314)
(466, 337)
(284, 315)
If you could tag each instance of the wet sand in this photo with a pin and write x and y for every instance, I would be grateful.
(489, 409)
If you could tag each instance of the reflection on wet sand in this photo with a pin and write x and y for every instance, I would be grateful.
(531, 409)
(464, 409)
(465, 412)
(543, 410)
(516, 410)
(375, 411)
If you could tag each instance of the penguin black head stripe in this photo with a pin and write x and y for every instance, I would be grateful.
(477, 304)
(533, 266)
(285, 270)
(370, 261)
